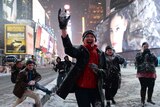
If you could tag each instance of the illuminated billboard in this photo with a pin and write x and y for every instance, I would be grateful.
(29, 40)
(44, 41)
(50, 45)
(38, 12)
(9, 10)
(127, 28)
(38, 37)
(18, 39)
(15, 39)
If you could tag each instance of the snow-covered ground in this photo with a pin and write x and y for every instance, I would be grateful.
(128, 95)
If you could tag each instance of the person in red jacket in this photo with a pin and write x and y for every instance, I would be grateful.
(88, 90)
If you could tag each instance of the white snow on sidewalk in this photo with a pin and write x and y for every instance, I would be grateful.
(128, 95)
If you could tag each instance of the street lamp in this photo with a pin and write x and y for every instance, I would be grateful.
(66, 7)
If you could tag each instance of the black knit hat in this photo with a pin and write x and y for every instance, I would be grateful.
(89, 32)
(30, 62)
(144, 43)
(108, 47)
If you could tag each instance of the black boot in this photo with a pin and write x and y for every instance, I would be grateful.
(34, 105)
(48, 92)
(113, 101)
(150, 101)
(142, 104)
(108, 104)
(143, 95)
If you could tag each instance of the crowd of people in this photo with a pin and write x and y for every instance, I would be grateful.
(96, 70)
(95, 77)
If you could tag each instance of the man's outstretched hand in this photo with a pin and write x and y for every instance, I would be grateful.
(63, 19)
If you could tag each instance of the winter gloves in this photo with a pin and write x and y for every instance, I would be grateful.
(146, 51)
(94, 67)
(96, 70)
(63, 19)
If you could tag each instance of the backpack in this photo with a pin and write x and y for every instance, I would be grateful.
(14, 75)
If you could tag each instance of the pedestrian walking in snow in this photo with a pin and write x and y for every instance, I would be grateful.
(60, 68)
(146, 72)
(113, 80)
(68, 64)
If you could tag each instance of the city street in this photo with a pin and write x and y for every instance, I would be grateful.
(43, 30)
(6, 87)
(128, 95)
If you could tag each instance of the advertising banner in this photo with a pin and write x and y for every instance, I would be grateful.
(38, 12)
(9, 9)
(44, 39)
(50, 45)
(38, 37)
(127, 28)
(15, 39)
(29, 40)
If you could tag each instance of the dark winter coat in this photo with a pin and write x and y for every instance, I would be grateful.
(60, 67)
(113, 63)
(22, 81)
(146, 62)
(113, 68)
(82, 56)
(14, 73)
(68, 65)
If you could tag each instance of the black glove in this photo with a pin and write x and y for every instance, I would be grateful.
(146, 51)
(116, 59)
(63, 19)
(94, 67)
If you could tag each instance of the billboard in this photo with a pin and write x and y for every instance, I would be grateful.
(44, 39)
(15, 39)
(38, 37)
(38, 12)
(9, 10)
(127, 28)
(19, 39)
(29, 40)
(50, 45)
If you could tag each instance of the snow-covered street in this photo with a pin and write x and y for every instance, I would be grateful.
(128, 95)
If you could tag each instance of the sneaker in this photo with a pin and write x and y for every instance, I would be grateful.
(113, 101)
(150, 101)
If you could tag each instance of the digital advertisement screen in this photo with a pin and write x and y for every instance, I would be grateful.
(38, 37)
(15, 39)
(29, 40)
(10, 10)
(38, 12)
(126, 29)
(44, 38)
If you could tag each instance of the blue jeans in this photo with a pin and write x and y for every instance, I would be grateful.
(42, 88)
